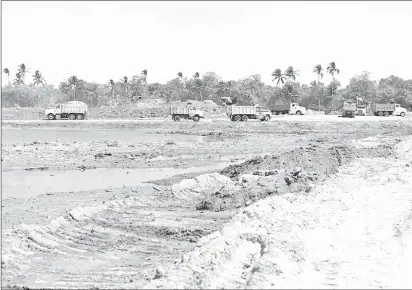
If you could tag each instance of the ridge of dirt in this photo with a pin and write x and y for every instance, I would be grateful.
(344, 234)
(294, 171)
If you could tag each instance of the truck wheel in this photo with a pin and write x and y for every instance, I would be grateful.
(380, 113)
(244, 118)
(298, 113)
(72, 117)
(267, 118)
(402, 114)
(80, 116)
(196, 118)
(51, 116)
(277, 113)
(237, 118)
(176, 118)
(386, 114)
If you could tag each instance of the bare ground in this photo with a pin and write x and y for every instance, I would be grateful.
(117, 239)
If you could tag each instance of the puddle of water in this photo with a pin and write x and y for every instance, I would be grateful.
(23, 184)
(23, 135)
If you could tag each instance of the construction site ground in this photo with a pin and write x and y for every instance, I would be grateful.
(297, 202)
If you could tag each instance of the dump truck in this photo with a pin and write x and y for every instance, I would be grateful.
(349, 109)
(388, 109)
(289, 108)
(187, 112)
(243, 113)
(70, 110)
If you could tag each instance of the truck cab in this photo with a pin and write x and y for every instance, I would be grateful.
(361, 110)
(399, 111)
(295, 109)
(193, 111)
(52, 112)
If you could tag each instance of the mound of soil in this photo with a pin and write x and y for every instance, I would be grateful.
(294, 171)
(19, 113)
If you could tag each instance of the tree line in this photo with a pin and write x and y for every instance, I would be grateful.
(209, 86)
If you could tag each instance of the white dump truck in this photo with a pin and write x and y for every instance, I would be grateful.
(388, 109)
(288, 108)
(349, 109)
(187, 112)
(70, 110)
(243, 113)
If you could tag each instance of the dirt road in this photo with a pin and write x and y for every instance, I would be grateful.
(104, 235)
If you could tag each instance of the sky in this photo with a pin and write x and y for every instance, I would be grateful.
(98, 41)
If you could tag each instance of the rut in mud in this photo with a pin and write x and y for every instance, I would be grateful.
(116, 243)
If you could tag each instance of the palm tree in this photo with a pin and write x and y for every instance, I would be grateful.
(319, 71)
(278, 76)
(332, 69)
(144, 74)
(111, 84)
(22, 69)
(73, 82)
(17, 82)
(7, 72)
(126, 85)
(291, 73)
(313, 83)
(38, 78)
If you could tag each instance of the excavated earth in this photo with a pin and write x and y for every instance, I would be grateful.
(183, 230)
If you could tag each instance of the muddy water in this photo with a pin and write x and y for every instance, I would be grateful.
(24, 184)
(22, 135)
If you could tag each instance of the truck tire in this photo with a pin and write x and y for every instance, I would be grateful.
(298, 113)
(277, 113)
(380, 113)
(237, 118)
(196, 118)
(386, 114)
(402, 114)
(80, 116)
(51, 116)
(267, 118)
(244, 118)
(72, 117)
(176, 118)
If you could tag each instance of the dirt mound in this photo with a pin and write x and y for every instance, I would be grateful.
(184, 234)
(294, 171)
(19, 113)
(201, 185)
(150, 108)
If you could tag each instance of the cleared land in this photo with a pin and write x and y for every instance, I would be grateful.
(310, 198)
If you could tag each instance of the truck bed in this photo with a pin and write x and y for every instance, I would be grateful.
(179, 111)
(73, 108)
(280, 107)
(241, 110)
(383, 107)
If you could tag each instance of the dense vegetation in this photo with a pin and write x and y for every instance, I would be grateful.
(250, 90)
